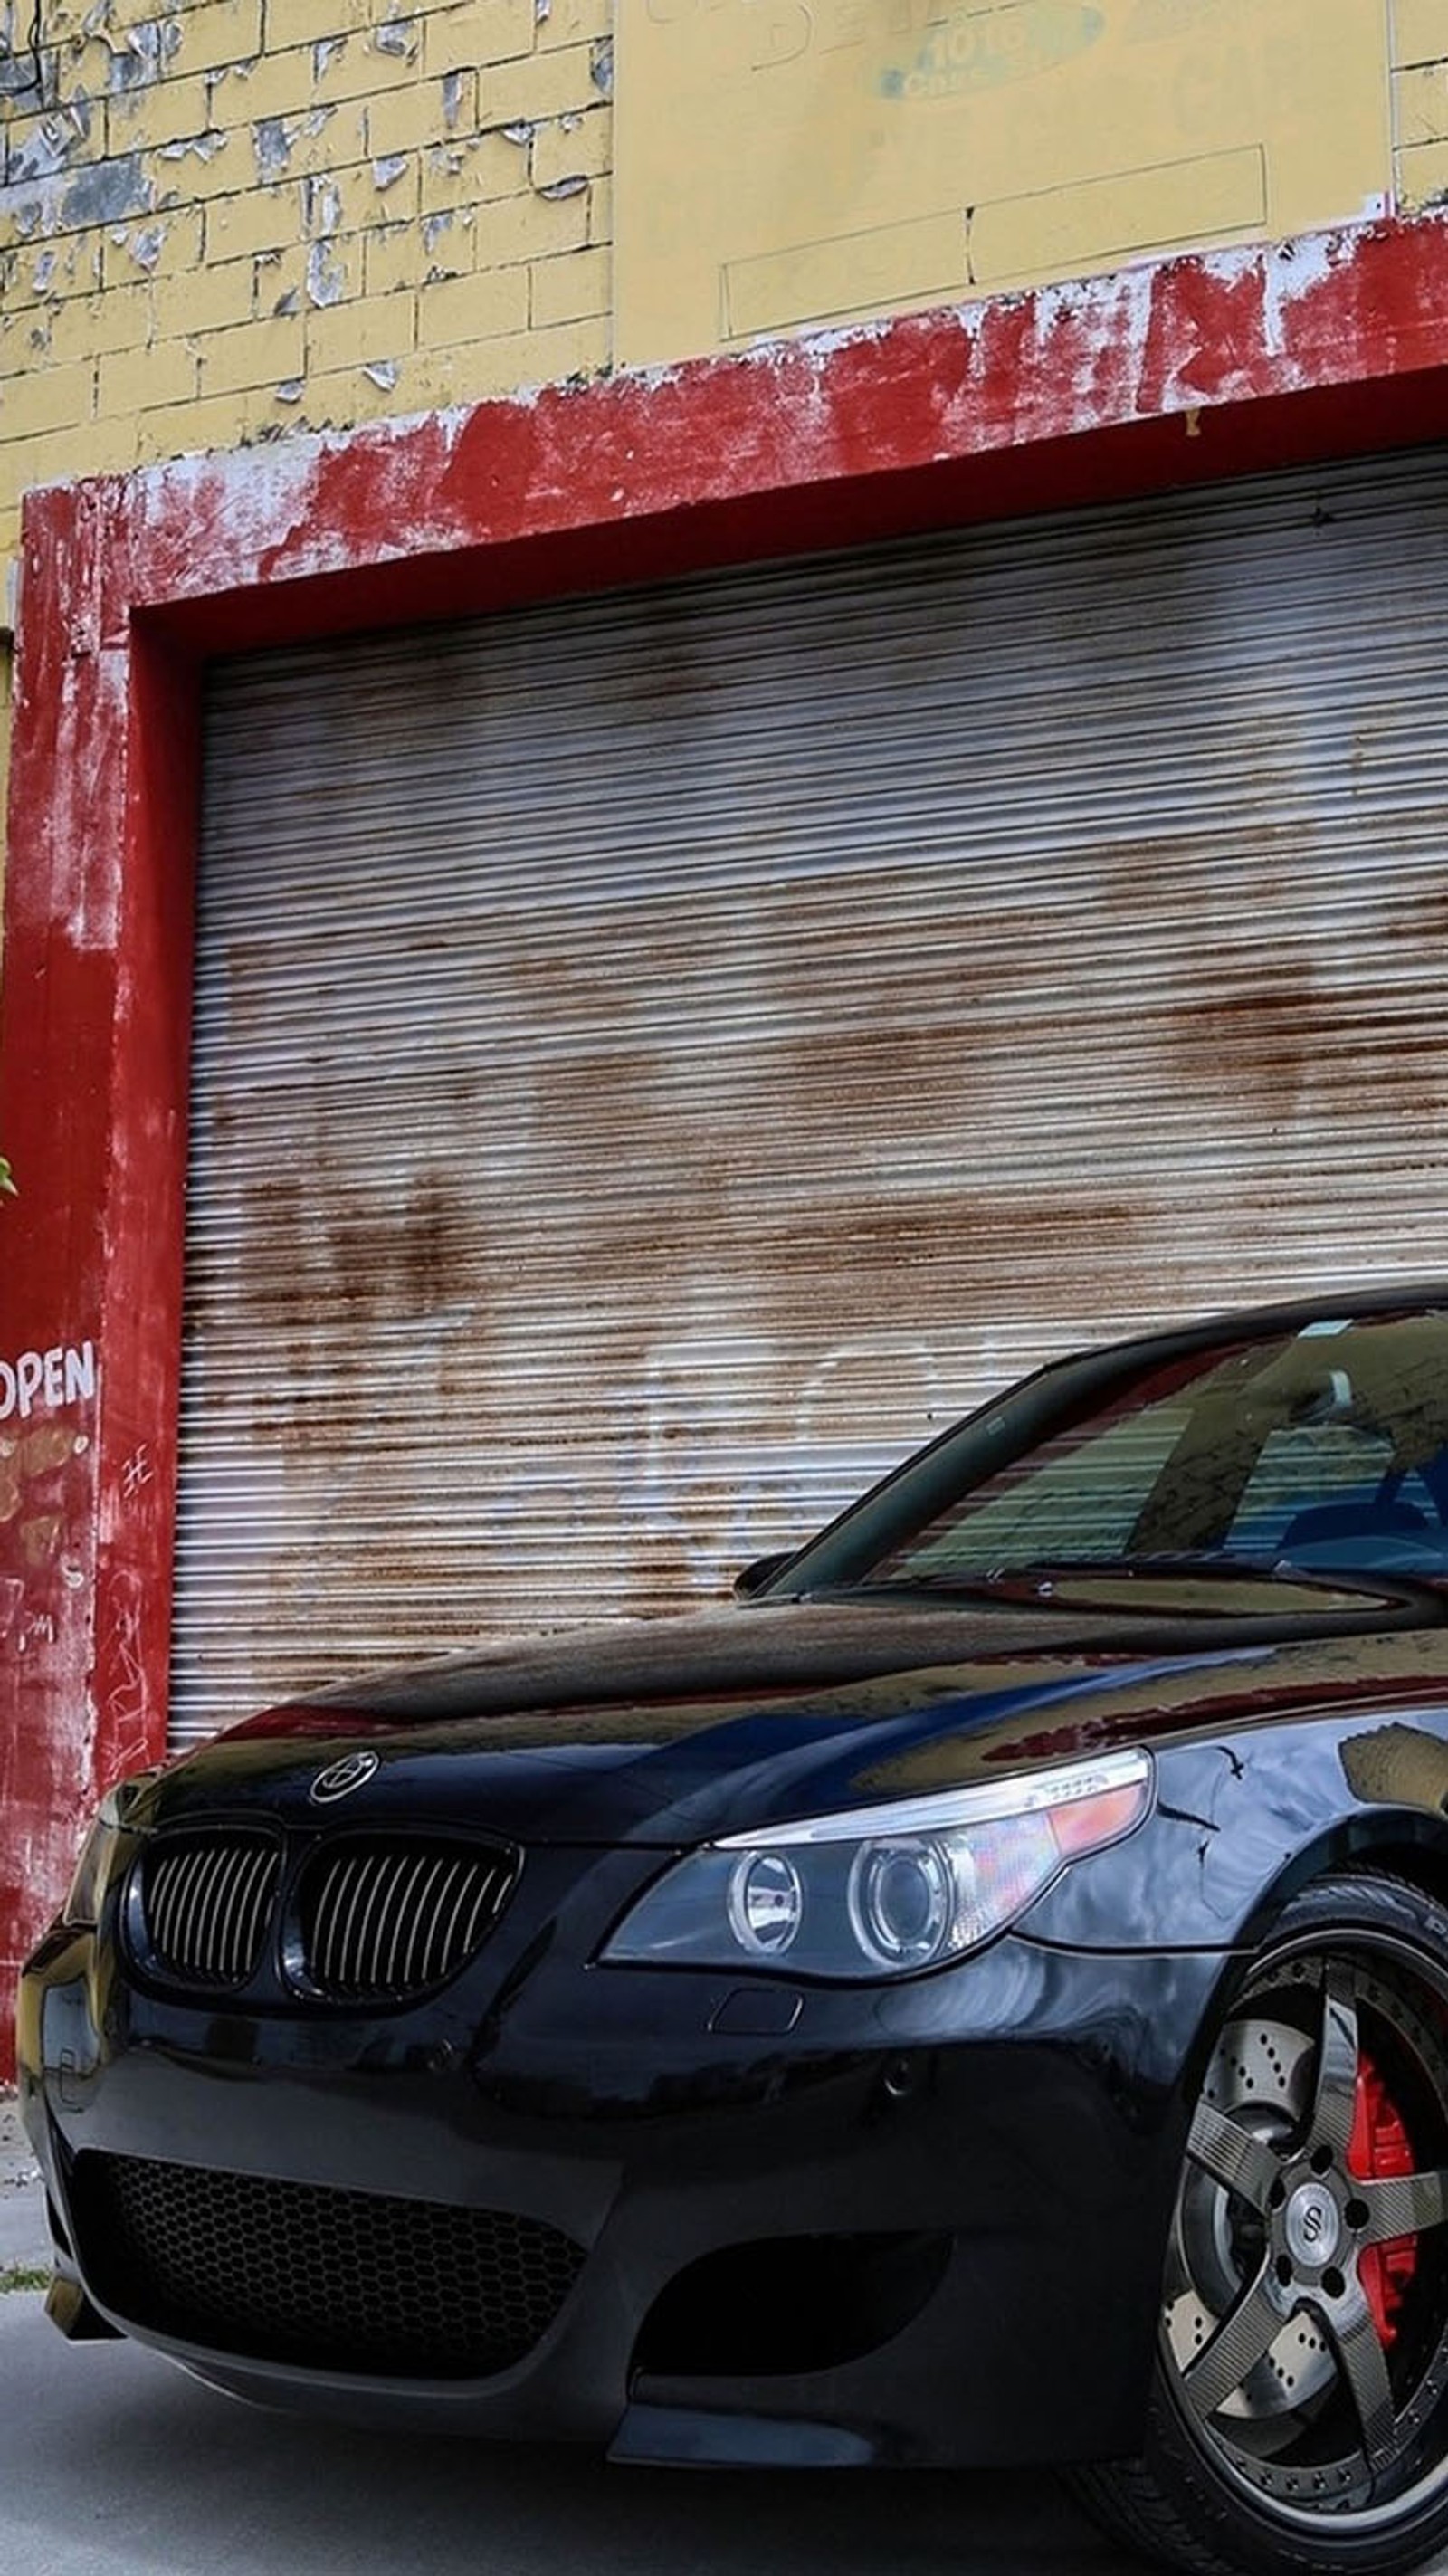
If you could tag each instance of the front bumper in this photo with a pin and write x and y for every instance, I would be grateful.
(966, 2179)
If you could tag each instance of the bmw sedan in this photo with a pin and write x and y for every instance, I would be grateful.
(980, 1996)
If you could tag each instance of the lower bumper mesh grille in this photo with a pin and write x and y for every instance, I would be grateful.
(350, 2281)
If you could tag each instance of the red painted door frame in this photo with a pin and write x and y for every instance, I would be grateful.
(1197, 369)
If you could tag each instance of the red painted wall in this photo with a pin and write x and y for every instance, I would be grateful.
(1200, 368)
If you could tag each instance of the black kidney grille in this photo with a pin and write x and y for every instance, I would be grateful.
(207, 1901)
(350, 2281)
(382, 1918)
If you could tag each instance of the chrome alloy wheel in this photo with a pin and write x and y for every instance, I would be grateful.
(1305, 2327)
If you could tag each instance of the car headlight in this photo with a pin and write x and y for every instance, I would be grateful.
(86, 1895)
(884, 1891)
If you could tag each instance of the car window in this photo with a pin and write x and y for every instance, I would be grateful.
(1328, 1467)
(1326, 1447)
(1075, 1497)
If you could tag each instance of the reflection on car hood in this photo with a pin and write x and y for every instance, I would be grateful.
(674, 1730)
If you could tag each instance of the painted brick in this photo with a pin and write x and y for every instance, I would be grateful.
(1420, 31)
(333, 271)
(472, 371)
(280, 280)
(299, 147)
(477, 31)
(219, 31)
(406, 119)
(88, 326)
(354, 199)
(572, 288)
(1420, 102)
(365, 68)
(59, 269)
(1423, 175)
(169, 247)
(45, 399)
(202, 166)
(472, 173)
(370, 331)
(24, 341)
(219, 164)
(531, 227)
(210, 298)
(294, 78)
(142, 379)
(219, 421)
(450, 243)
(72, 448)
(403, 255)
(254, 219)
(251, 355)
(472, 308)
(280, 84)
(36, 148)
(167, 112)
(88, 63)
(576, 147)
(212, 165)
(555, 84)
(573, 22)
(392, 259)
(321, 22)
(349, 397)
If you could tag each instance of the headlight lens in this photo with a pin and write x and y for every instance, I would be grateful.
(887, 1891)
(83, 1903)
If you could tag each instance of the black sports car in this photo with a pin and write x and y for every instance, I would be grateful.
(983, 1996)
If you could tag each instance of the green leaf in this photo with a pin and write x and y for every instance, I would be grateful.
(7, 1185)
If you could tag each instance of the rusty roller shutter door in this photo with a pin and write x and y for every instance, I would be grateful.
(659, 1056)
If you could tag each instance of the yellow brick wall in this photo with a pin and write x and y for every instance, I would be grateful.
(230, 219)
(1420, 102)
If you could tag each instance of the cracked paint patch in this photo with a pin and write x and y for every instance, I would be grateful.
(397, 37)
(326, 275)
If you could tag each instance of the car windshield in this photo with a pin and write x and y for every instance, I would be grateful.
(1322, 1451)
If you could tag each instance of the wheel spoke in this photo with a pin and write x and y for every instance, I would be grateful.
(1240, 2340)
(1232, 2156)
(1335, 2100)
(1403, 2205)
(1349, 2322)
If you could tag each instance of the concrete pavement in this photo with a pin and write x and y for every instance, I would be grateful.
(114, 2464)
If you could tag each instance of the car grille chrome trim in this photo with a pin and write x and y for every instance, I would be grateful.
(207, 1901)
(352, 2282)
(383, 1917)
(374, 1918)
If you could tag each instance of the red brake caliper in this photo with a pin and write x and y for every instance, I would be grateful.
(1378, 2151)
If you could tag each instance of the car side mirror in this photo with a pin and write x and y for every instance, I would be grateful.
(755, 1576)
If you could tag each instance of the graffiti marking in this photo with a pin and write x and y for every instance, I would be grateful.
(137, 1472)
(65, 1374)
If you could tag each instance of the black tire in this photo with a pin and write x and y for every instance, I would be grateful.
(1298, 2422)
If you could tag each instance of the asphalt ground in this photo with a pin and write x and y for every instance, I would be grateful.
(114, 2464)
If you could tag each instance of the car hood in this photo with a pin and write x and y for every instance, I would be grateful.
(673, 1731)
